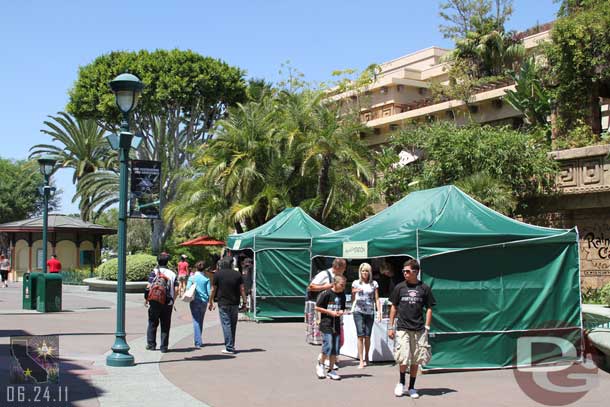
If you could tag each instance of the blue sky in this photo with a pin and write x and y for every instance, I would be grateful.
(43, 44)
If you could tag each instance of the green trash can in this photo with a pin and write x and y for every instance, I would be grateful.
(29, 290)
(48, 292)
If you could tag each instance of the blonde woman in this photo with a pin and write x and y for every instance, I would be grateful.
(365, 293)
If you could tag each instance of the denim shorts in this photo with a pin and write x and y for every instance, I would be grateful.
(364, 323)
(330, 344)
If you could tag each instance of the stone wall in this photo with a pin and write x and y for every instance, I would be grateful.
(583, 200)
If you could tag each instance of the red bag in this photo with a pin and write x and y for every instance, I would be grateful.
(159, 288)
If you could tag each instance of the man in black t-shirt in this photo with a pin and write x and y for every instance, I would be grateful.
(330, 304)
(409, 299)
(226, 290)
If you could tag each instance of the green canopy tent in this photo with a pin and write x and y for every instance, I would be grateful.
(282, 265)
(495, 279)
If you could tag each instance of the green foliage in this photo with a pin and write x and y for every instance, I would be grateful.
(285, 150)
(139, 232)
(184, 95)
(605, 294)
(580, 135)
(82, 148)
(517, 161)
(578, 61)
(19, 196)
(530, 97)
(592, 295)
(461, 14)
(490, 191)
(75, 276)
(138, 268)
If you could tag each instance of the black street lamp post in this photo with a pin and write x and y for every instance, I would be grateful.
(126, 88)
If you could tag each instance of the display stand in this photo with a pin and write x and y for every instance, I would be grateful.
(382, 347)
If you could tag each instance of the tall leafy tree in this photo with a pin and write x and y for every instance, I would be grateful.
(460, 15)
(578, 58)
(184, 95)
(19, 195)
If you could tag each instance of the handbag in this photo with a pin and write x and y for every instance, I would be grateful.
(189, 294)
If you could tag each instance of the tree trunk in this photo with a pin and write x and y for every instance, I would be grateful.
(596, 114)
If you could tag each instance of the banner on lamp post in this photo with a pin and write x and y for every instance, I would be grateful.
(144, 201)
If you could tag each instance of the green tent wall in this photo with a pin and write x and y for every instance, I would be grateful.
(282, 262)
(494, 279)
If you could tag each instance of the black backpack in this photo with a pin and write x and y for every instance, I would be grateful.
(313, 295)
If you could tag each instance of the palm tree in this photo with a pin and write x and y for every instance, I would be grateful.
(489, 191)
(334, 149)
(82, 148)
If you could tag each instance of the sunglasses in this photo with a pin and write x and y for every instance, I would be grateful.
(407, 271)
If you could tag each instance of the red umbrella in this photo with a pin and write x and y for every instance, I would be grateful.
(203, 241)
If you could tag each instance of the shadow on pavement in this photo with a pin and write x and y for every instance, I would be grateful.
(250, 350)
(353, 376)
(435, 392)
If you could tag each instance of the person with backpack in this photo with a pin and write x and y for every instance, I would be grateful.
(321, 282)
(160, 294)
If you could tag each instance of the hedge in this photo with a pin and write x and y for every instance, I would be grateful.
(139, 267)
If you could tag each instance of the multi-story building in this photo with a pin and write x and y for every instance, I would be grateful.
(401, 94)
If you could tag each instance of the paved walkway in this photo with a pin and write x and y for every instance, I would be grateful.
(273, 367)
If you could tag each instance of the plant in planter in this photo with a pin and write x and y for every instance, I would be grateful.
(138, 268)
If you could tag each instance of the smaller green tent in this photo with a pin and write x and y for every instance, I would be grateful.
(496, 280)
(282, 265)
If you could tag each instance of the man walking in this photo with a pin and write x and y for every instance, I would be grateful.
(160, 294)
(228, 286)
(411, 347)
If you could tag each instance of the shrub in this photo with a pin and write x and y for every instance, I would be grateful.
(606, 294)
(592, 295)
(139, 267)
(75, 276)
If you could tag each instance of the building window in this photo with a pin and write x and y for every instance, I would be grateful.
(474, 109)
(393, 127)
(450, 115)
(497, 104)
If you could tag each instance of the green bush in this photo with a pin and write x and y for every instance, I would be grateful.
(139, 267)
(592, 295)
(75, 276)
(606, 294)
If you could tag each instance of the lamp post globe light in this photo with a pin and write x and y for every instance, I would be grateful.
(126, 88)
(47, 167)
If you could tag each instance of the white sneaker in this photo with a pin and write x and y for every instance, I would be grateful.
(333, 375)
(399, 390)
(320, 371)
(327, 364)
(413, 394)
(227, 352)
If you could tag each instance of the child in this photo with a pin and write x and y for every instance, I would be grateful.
(331, 304)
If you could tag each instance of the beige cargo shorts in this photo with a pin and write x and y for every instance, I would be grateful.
(412, 348)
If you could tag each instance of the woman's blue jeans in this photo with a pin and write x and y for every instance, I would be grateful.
(198, 309)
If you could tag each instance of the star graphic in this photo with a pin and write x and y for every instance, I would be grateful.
(45, 350)
(27, 372)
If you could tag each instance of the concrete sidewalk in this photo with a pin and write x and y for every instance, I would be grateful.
(273, 367)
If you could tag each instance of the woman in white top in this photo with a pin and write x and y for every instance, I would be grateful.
(365, 294)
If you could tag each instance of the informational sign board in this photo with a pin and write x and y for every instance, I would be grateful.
(144, 202)
(355, 250)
